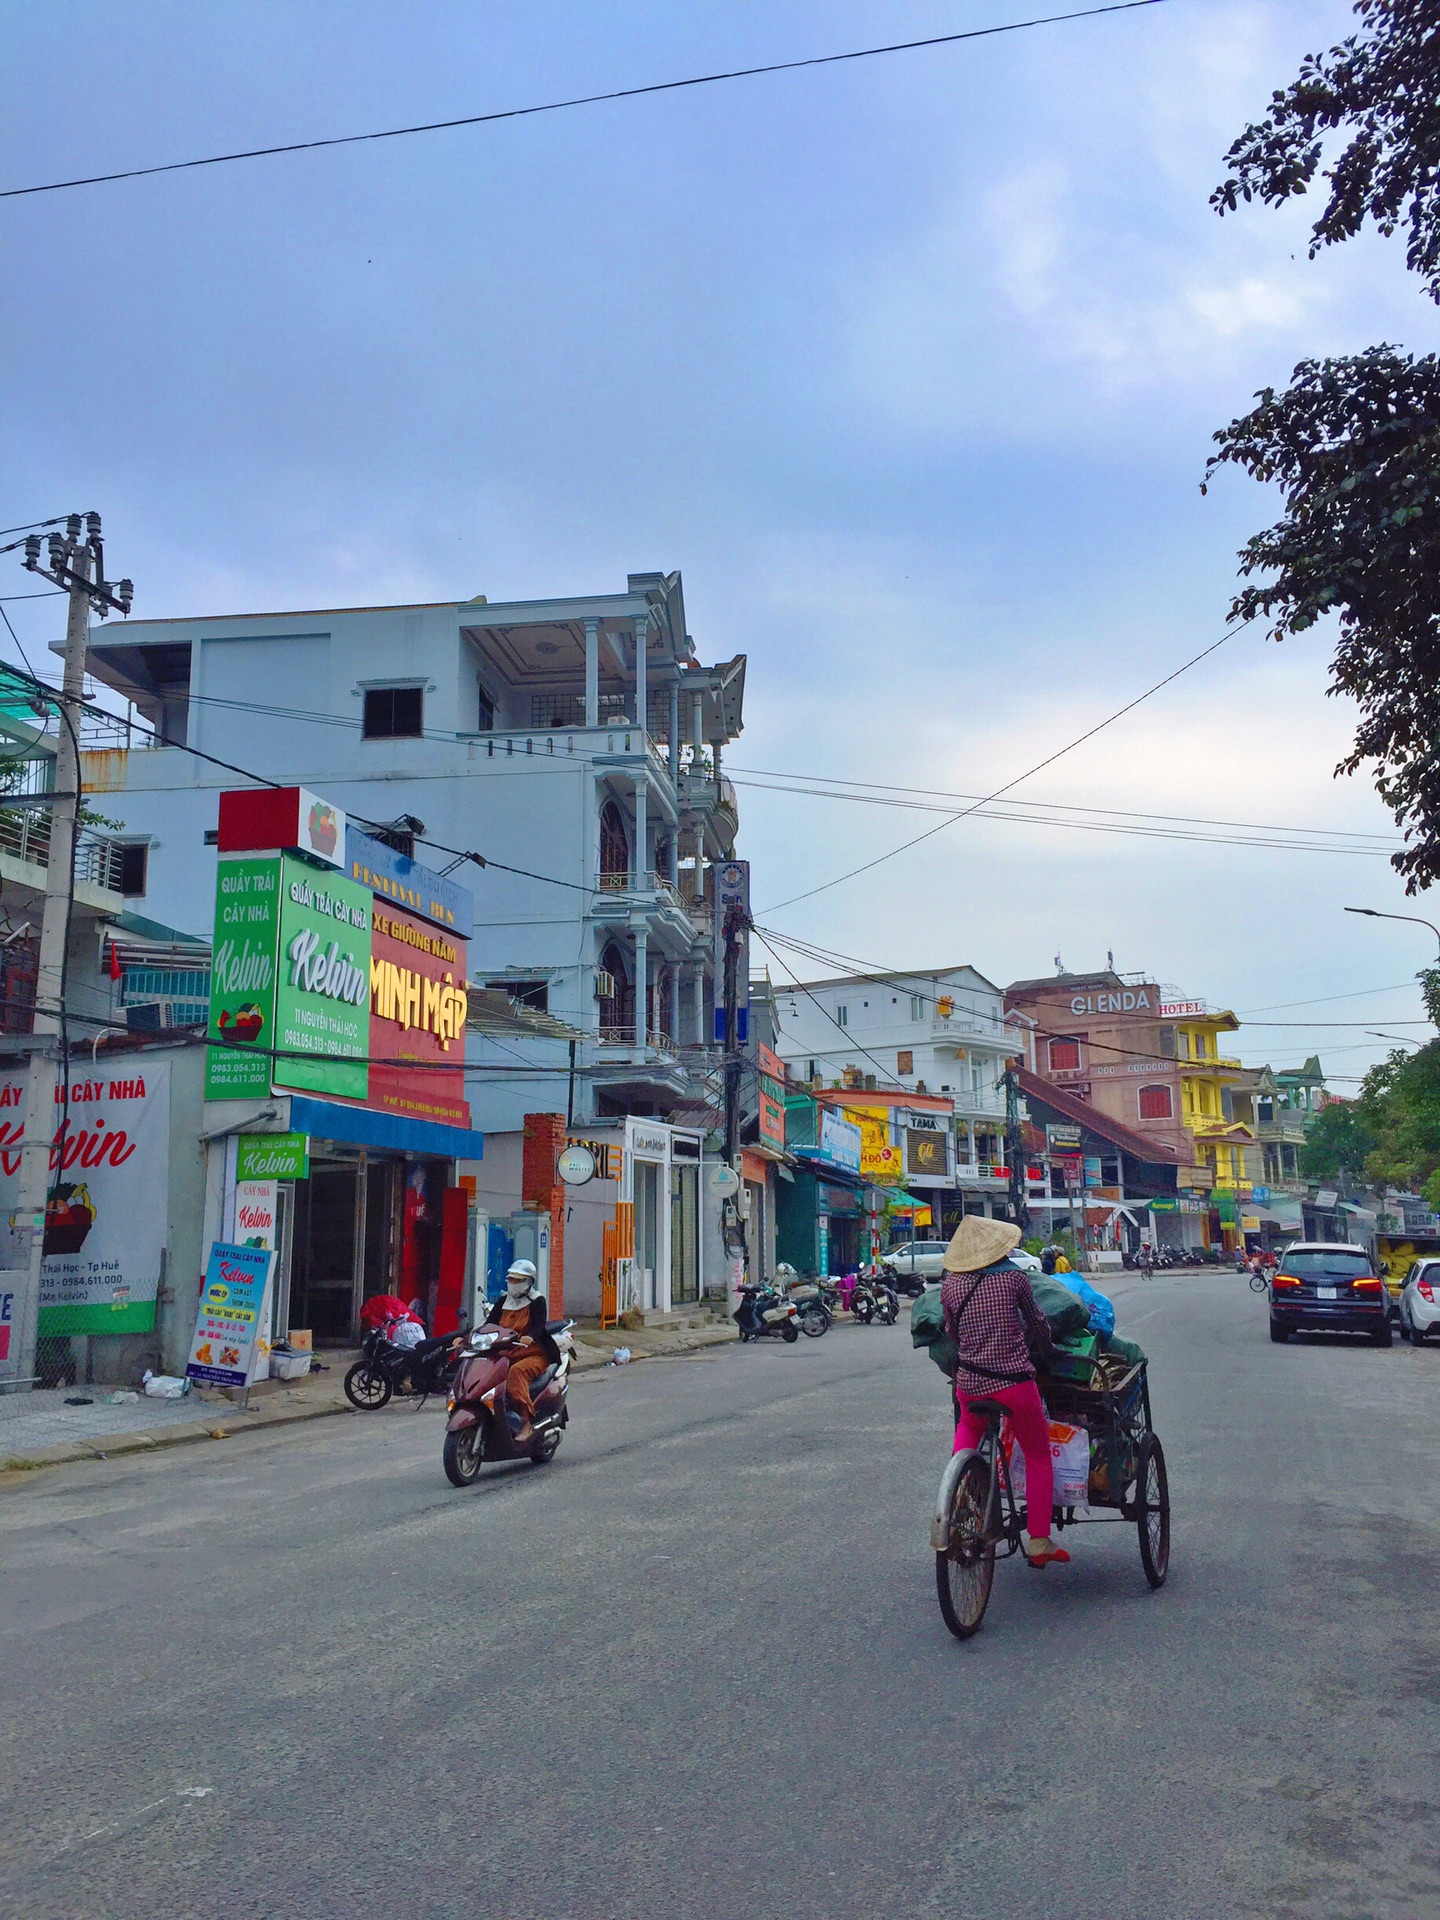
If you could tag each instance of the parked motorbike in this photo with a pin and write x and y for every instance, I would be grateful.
(764, 1312)
(875, 1299)
(482, 1424)
(414, 1373)
(815, 1306)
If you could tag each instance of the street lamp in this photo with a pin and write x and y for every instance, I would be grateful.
(1373, 913)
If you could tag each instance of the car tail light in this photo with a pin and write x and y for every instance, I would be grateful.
(1425, 1291)
(1367, 1283)
(1284, 1280)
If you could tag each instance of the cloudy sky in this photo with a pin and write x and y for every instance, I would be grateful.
(909, 365)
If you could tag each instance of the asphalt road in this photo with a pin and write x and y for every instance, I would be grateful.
(694, 1669)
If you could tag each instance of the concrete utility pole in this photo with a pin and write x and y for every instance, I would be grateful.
(1014, 1155)
(734, 926)
(77, 565)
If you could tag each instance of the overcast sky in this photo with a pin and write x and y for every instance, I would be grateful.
(909, 366)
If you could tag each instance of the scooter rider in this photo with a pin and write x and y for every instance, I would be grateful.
(522, 1310)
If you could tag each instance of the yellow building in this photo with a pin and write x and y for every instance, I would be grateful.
(1220, 1143)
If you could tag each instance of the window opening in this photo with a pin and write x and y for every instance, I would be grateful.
(394, 713)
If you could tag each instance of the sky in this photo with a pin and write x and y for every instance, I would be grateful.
(909, 366)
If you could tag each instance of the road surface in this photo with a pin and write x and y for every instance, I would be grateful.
(694, 1669)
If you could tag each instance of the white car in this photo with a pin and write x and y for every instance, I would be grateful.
(915, 1263)
(1420, 1301)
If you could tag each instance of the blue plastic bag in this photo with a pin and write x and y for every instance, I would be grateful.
(1102, 1310)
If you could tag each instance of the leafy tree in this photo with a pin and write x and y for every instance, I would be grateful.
(1354, 442)
(1338, 1141)
(1400, 1101)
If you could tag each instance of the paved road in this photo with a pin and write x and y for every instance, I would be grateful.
(694, 1670)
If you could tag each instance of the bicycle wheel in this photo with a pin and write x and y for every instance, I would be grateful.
(1258, 1283)
(366, 1387)
(1152, 1510)
(965, 1572)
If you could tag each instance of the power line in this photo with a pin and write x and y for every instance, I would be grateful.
(1284, 1006)
(581, 100)
(1029, 773)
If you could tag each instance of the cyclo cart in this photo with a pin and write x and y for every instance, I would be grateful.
(978, 1518)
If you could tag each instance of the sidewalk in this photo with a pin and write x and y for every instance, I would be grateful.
(38, 1429)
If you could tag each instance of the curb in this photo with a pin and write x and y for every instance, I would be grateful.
(15, 1469)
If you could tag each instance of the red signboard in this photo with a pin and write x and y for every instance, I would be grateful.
(417, 1013)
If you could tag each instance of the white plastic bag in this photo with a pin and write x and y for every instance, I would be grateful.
(1069, 1460)
(165, 1386)
(405, 1333)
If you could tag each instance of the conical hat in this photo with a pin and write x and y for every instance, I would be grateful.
(979, 1243)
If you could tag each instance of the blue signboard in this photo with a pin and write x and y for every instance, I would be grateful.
(227, 1323)
(1261, 1195)
(405, 883)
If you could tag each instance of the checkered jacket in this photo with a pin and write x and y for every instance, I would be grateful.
(998, 1331)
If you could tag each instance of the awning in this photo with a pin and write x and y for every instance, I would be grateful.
(393, 1132)
(1284, 1214)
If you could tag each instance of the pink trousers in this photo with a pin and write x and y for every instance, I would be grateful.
(1032, 1430)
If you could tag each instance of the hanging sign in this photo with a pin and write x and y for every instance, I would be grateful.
(242, 978)
(105, 1217)
(228, 1323)
(418, 1008)
(322, 1001)
(273, 1156)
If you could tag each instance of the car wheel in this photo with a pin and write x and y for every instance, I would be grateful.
(1417, 1334)
(1278, 1333)
(1384, 1334)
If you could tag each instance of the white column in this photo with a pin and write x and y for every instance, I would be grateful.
(697, 721)
(642, 986)
(642, 691)
(675, 735)
(640, 855)
(592, 673)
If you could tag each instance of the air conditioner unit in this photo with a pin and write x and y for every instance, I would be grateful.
(604, 984)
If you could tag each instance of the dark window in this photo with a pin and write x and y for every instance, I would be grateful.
(394, 713)
(485, 711)
(1156, 1103)
(614, 845)
(905, 1063)
(1325, 1263)
(1064, 1054)
(134, 859)
(524, 993)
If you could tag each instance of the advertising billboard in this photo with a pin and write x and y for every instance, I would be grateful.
(105, 1218)
(839, 1141)
(925, 1155)
(322, 998)
(242, 979)
(418, 1005)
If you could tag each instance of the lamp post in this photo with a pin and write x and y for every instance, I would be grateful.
(1373, 913)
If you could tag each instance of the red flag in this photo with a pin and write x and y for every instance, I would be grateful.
(117, 972)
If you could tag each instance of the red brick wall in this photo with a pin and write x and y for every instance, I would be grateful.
(541, 1192)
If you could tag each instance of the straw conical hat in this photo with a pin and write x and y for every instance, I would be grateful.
(979, 1242)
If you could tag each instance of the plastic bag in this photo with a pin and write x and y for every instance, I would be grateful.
(1069, 1461)
(405, 1333)
(165, 1386)
(1102, 1309)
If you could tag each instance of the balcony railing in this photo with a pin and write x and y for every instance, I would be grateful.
(650, 882)
(25, 833)
(624, 1036)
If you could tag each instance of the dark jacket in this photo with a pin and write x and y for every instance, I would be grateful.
(538, 1328)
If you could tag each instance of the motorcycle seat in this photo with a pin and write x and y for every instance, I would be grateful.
(556, 1326)
(541, 1382)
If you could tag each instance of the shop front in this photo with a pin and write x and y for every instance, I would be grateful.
(335, 1082)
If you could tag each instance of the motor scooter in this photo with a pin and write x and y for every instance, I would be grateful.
(764, 1312)
(482, 1424)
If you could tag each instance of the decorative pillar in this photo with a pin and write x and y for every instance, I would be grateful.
(642, 987)
(697, 721)
(675, 733)
(674, 862)
(640, 853)
(592, 673)
(642, 691)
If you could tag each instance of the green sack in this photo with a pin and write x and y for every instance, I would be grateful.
(1128, 1351)
(1066, 1312)
(927, 1330)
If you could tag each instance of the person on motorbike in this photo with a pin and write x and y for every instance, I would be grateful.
(521, 1310)
(991, 1316)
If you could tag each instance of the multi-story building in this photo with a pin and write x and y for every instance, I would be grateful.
(939, 1037)
(575, 744)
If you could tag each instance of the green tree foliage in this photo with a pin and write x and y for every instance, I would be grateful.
(1338, 1141)
(1354, 442)
(1400, 1102)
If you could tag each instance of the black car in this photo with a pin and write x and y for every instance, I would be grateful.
(1329, 1287)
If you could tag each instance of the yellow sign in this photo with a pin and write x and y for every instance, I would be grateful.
(879, 1161)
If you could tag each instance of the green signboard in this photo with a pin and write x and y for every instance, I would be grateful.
(322, 1003)
(242, 984)
(273, 1156)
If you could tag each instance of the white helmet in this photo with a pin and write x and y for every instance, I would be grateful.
(522, 1270)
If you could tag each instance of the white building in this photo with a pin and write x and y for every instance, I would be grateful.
(575, 744)
(936, 1033)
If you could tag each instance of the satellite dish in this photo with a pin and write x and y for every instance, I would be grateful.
(576, 1165)
(724, 1181)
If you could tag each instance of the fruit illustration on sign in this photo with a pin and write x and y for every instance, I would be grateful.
(324, 828)
(69, 1216)
(244, 1024)
(204, 1357)
(230, 1356)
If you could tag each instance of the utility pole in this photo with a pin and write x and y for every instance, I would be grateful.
(77, 566)
(732, 929)
(1014, 1156)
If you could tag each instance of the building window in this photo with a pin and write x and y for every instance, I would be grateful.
(524, 993)
(842, 1016)
(394, 713)
(614, 848)
(1064, 1055)
(1156, 1103)
(905, 1063)
(917, 1006)
(1199, 1046)
(134, 865)
(812, 1071)
(484, 711)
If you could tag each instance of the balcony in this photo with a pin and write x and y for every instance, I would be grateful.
(25, 839)
(622, 899)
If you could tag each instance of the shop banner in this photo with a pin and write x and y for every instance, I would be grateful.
(273, 1156)
(323, 996)
(242, 980)
(257, 1213)
(105, 1218)
(227, 1323)
(418, 1006)
(771, 1080)
(839, 1141)
(925, 1155)
(400, 882)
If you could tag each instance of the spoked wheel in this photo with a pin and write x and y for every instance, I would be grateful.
(366, 1387)
(1152, 1510)
(1258, 1283)
(463, 1454)
(965, 1572)
(814, 1323)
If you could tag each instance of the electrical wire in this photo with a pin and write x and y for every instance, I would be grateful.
(30, 526)
(581, 100)
(1029, 773)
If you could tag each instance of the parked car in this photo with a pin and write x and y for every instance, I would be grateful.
(1420, 1301)
(1028, 1261)
(1328, 1285)
(911, 1265)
